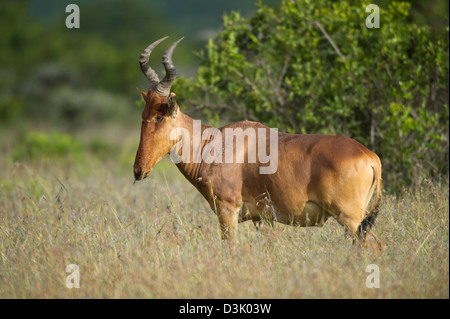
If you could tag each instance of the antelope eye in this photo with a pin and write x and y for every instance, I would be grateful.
(159, 118)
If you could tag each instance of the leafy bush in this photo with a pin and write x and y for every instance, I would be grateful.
(10, 104)
(53, 94)
(36, 145)
(102, 149)
(314, 67)
(84, 107)
(39, 145)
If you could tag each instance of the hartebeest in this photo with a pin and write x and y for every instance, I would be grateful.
(318, 176)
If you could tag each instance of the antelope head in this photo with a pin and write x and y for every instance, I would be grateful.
(160, 114)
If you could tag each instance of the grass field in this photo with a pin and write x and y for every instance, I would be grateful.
(158, 239)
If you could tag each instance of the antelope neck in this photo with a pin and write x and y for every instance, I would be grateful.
(193, 171)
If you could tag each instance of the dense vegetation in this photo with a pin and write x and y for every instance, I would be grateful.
(314, 67)
(301, 66)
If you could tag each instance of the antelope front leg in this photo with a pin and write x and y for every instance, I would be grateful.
(228, 217)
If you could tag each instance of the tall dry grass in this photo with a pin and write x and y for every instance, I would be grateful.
(157, 239)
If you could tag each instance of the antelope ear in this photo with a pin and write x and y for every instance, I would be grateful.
(173, 108)
(144, 95)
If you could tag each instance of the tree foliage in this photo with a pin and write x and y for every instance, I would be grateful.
(314, 67)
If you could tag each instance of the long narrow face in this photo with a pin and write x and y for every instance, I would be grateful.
(160, 114)
(159, 118)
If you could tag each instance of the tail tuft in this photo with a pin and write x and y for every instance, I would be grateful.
(368, 222)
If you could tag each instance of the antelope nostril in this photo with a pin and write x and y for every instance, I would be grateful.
(138, 173)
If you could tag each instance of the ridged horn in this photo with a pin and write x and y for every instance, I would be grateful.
(149, 73)
(163, 87)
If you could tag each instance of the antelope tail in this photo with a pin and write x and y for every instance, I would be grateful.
(369, 221)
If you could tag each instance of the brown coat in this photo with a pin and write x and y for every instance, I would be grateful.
(318, 176)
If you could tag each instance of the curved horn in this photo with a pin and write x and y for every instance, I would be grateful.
(163, 88)
(149, 73)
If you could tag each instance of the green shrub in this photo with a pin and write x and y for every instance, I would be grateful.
(102, 149)
(56, 146)
(38, 146)
(386, 87)
(11, 104)
(81, 108)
